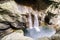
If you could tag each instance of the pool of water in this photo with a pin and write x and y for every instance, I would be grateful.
(44, 32)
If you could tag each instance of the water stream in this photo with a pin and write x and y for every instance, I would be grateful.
(30, 21)
(34, 31)
(36, 22)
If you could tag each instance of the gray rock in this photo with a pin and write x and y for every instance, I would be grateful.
(18, 35)
(5, 32)
(54, 9)
(3, 26)
(55, 1)
(9, 12)
(55, 37)
(43, 38)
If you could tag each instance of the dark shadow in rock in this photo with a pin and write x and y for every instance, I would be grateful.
(4, 25)
(48, 17)
(19, 25)
(35, 4)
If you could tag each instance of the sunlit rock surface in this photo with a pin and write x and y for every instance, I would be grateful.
(55, 9)
(55, 0)
(55, 37)
(5, 32)
(16, 16)
(18, 35)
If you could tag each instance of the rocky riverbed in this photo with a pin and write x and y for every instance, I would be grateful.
(29, 20)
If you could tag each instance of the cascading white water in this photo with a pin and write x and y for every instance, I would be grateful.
(30, 21)
(36, 22)
(34, 31)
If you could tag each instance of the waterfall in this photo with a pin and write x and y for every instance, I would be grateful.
(30, 21)
(36, 22)
(35, 32)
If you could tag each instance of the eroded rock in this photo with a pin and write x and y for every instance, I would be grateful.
(18, 35)
(55, 37)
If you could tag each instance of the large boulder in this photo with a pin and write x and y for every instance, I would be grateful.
(10, 14)
(9, 18)
(18, 35)
(53, 12)
(55, 37)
